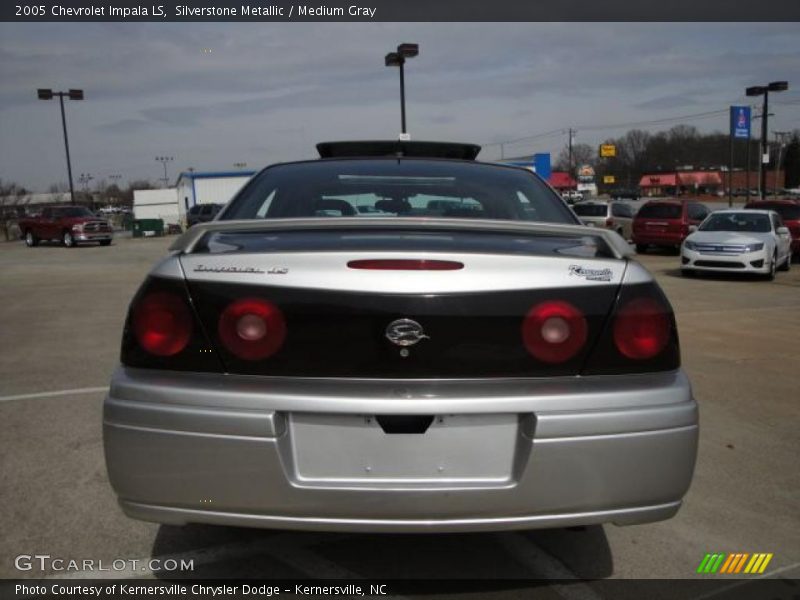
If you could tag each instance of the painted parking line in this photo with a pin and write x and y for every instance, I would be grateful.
(54, 394)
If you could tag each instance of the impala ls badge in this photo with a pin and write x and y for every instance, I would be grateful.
(405, 332)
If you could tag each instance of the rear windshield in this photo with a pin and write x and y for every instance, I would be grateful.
(590, 210)
(661, 211)
(788, 212)
(390, 187)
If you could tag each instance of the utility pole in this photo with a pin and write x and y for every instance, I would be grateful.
(780, 139)
(571, 167)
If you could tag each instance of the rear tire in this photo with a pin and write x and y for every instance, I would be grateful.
(641, 248)
(67, 239)
(787, 264)
(30, 239)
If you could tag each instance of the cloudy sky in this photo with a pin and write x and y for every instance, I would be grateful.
(216, 94)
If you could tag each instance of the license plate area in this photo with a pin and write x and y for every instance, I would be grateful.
(472, 450)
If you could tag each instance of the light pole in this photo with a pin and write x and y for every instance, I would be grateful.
(164, 160)
(764, 90)
(84, 180)
(47, 94)
(398, 59)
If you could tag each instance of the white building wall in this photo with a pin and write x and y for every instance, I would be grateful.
(185, 195)
(217, 190)
(157, 204)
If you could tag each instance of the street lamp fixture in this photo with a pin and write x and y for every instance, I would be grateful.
(398, 59)
(164, 160)
(84, 180)
(764, 90)
(48, 94)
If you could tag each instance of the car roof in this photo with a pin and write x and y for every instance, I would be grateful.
(760, 211)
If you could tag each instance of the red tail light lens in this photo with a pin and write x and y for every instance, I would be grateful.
(402, 264)
(252, 328)
(554, 331)
(641, 329)
(162, 323)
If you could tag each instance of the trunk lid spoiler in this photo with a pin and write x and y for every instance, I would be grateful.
(189, 240)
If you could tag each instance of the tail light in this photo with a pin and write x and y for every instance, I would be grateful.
(162, 323)
(252, 328)
(162, 330)
(402, 264)
(554, 331)
(609, 222)
(639, 337)
(641, 329)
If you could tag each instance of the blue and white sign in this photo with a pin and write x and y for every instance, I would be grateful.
(540, 165)
(740, 122)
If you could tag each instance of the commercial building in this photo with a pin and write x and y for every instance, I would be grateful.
(209, 187)
(702, 183)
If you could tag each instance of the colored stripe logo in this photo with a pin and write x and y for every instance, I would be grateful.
(734, 563)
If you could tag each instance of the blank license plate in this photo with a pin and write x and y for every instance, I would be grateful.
(354, 448)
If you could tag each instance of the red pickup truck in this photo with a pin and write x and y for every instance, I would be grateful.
(70, 225)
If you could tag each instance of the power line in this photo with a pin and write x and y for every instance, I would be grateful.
(693, 117)
(534, 136)
(662, 121)
(563, 130)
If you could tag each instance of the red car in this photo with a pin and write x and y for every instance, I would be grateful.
(68, 224)
(789, 210)
(666, 223)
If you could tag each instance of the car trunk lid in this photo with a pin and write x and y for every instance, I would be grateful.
(342, 292)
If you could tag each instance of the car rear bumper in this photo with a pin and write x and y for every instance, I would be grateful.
(309, 454)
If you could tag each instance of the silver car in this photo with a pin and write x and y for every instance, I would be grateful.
(617, 216)
(474, 359)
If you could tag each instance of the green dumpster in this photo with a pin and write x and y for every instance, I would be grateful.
(148, 227)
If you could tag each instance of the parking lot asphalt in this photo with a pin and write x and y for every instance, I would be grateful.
(61, 316)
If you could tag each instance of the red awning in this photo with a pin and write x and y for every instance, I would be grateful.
(658, 180)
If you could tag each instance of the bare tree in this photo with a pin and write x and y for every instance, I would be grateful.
(582, 154)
